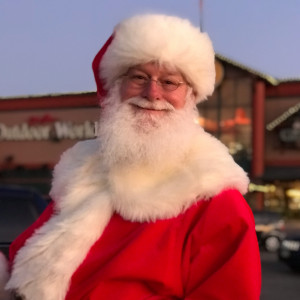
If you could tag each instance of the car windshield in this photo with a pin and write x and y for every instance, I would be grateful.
(16, 214)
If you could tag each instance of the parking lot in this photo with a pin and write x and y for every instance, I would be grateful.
(278, 281)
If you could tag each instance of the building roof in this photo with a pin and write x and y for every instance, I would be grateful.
(48, 95)
(268, 78)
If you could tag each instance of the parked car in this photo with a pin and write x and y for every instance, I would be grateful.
(289, 251)
(19, 208)
(269, 228)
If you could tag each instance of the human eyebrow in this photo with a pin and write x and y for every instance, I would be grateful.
(172, 76)
(136, 70)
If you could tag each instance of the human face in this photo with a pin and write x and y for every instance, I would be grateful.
(133, 137)
(152, 91)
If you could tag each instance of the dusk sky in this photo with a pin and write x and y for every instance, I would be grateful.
(48, 46)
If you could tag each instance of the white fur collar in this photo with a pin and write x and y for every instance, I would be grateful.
(86, 197)
(139, 195)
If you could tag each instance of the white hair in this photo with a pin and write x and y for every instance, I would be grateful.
(130, 138)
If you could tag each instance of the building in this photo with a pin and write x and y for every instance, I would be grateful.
(255, 115)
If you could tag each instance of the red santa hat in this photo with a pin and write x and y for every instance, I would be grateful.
(165, 39)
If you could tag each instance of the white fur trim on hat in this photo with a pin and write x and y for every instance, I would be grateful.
(166, 39)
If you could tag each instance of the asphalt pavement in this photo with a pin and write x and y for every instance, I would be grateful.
(279, 282)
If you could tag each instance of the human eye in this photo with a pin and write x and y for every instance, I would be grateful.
(138, 78)
(169, 83)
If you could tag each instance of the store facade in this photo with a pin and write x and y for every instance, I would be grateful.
(282, 147)
(254, 115)
(35, 131)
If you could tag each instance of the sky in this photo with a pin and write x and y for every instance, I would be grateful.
(47, 46)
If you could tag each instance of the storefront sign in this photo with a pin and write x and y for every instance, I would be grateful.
(55, 131)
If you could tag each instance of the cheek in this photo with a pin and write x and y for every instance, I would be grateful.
(123, 92)
(177, 100)
(127, 93)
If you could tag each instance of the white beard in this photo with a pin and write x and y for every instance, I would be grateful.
(130, 137)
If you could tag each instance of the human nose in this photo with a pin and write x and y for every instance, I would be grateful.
(152, 90)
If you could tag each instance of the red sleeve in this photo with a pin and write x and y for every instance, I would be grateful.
(224, 254)
(21, 239)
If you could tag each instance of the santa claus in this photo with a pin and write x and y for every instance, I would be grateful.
(153, 207)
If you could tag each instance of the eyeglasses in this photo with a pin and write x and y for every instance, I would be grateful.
(141, 81)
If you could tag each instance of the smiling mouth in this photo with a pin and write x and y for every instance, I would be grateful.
(150, 109)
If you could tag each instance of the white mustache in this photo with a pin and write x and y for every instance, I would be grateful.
(155, 105)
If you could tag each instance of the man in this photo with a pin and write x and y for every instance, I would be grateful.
(152, 208)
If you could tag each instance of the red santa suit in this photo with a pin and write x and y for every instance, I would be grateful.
(185, 234)
(180, 231)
